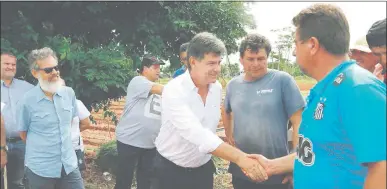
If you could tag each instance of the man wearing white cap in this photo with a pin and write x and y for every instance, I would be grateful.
(363, 55)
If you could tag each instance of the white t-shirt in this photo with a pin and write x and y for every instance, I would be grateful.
(75, 131)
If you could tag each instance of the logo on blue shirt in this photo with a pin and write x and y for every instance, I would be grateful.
(305, 153)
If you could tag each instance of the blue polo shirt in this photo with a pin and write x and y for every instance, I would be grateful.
(343, 126)
(179, 71)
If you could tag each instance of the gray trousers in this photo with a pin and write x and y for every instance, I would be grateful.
(71, 181)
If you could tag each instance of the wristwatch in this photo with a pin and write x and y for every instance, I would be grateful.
(5, 148)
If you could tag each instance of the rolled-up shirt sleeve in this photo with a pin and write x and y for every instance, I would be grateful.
(177, 112)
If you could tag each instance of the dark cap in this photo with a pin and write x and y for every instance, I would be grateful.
(376, 35)
(149, 60)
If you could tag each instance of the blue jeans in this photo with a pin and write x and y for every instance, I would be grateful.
(15, 165)
(71, 181)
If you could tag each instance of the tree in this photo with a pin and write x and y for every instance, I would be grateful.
(283, 50)
(157, 27)
(229, 70)
(99, 44)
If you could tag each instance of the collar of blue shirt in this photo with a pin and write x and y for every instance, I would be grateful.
(42, 96)
(13, 82)
(319, 87)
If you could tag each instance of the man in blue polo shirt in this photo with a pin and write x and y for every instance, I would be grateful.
(342, 136)
(183, 60)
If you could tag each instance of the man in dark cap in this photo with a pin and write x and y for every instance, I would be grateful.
(376, 39)
(139, 125)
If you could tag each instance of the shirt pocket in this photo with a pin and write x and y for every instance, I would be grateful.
(66, 114)
(40, 117)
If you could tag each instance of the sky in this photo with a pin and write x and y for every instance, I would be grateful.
(276, 15)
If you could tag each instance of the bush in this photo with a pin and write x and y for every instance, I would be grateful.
(107, 157)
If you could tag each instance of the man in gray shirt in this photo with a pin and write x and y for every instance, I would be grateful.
(139, 126)
(262, 101)
(12, 90)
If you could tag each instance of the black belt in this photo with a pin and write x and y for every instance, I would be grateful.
(13, 139)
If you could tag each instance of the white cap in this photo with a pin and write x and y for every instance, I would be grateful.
(361, 45)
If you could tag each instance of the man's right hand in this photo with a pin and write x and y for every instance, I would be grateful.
(378, 72)
(252, 169)
(3, 158)
(264, 162)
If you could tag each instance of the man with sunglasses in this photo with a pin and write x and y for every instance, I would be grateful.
(44, 121)
(183, 60)
(12, 90)
(139, 125)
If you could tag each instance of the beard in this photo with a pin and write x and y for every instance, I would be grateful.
(51, 87)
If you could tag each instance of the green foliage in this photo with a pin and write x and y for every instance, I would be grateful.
(156, 27)
(229, 70)
(99, 43)
(107, 157)
(280, 57)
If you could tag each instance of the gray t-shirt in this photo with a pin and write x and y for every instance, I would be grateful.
(140, 122)
(261, 111)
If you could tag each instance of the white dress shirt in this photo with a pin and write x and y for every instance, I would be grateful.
(76, 137)
(188, 131)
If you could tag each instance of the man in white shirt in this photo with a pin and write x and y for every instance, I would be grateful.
(76, 128)
(190, 115)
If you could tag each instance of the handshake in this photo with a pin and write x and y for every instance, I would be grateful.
(258, 168)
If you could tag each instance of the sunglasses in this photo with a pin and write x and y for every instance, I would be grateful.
(50, 69)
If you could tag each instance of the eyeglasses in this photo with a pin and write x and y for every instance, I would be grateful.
(50, 69)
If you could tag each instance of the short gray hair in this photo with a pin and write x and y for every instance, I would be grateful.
(39, 54)
(204, 43)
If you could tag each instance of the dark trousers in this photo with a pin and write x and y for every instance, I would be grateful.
(71, 181)
(2, 179)
(128, 158)
(15, 164)
(172, 176)
(239, 183)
